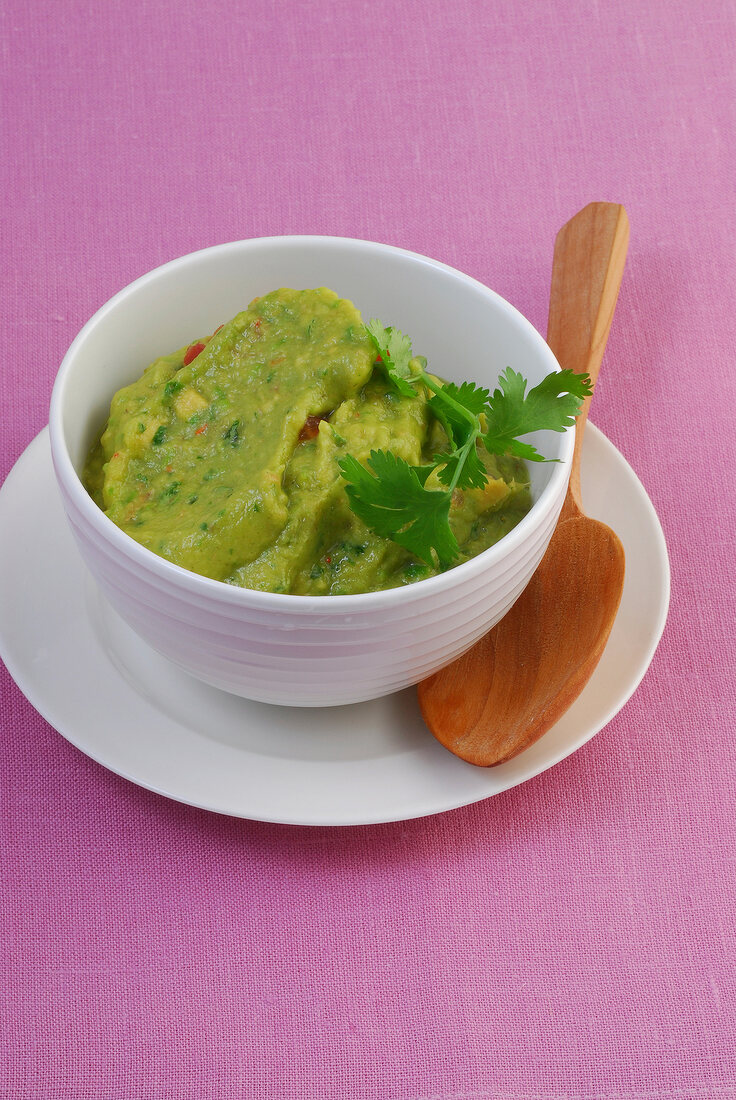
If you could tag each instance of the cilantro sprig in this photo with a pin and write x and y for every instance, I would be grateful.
(391, 496)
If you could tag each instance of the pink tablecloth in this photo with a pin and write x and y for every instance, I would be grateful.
(574, 938)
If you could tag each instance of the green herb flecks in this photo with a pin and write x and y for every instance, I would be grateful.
(232, 435)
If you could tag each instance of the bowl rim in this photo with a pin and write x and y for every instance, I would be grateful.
(254, 599)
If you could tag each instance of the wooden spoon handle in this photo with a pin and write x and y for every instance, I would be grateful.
(588, 265)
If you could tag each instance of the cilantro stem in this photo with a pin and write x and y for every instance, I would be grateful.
(440, 390)
(464, 452)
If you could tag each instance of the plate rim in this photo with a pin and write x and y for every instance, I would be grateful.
(26, 686)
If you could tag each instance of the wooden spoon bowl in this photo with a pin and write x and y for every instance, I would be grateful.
(518, 680)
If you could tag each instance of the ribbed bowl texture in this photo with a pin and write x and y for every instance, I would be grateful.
(302, 650)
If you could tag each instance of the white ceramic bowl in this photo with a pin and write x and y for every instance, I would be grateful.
(302, 650)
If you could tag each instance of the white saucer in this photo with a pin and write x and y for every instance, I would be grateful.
(88, 674)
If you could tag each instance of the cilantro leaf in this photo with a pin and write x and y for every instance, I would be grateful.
(457, 408)
(471, 397)
(396, 505)
(512, 412)
(394, 349)
(462, 469)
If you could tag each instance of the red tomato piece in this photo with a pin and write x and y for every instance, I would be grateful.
(192, 352)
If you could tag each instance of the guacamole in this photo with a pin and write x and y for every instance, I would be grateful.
(223, 456)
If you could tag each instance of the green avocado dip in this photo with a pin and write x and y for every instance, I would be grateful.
(223, 457)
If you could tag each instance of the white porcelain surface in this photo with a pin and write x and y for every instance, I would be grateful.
(301, 650)
(136, 713)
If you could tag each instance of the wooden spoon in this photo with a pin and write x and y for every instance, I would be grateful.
(504, 693)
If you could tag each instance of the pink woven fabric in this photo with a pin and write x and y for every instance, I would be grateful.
(574, 938)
